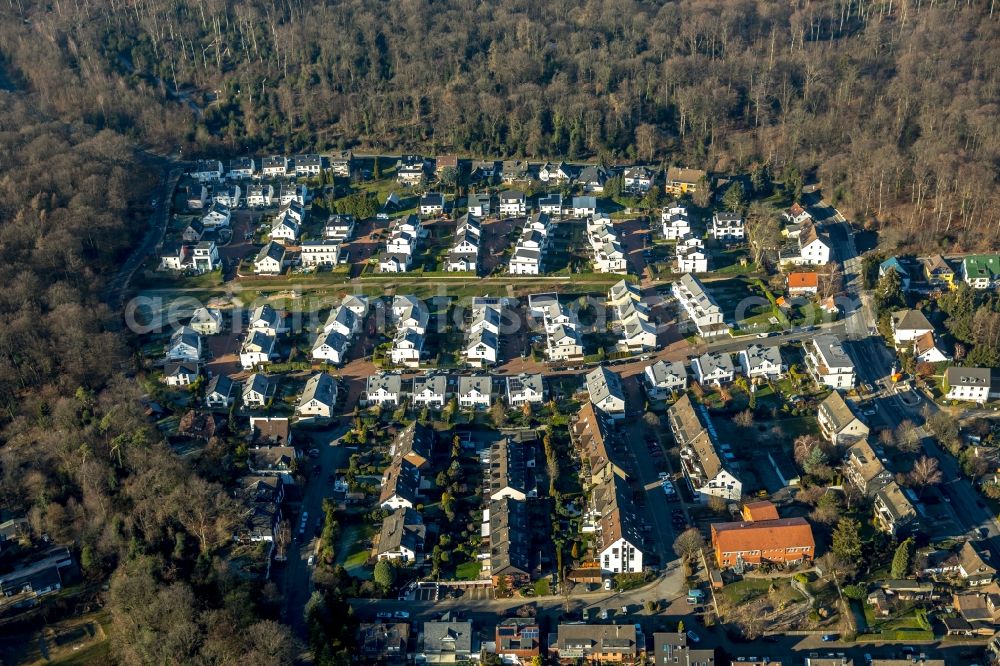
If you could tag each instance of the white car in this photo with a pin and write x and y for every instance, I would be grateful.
(663, 476)
(401, 615)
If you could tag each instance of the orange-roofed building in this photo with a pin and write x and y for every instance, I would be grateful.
(802, 283)
(757, 511)
(752, 543)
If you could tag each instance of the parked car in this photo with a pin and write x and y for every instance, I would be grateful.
(693, 637)
(401, 615)
(829, 637)
(383, 615)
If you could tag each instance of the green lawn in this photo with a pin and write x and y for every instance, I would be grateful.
(468, 570)
(745, 590)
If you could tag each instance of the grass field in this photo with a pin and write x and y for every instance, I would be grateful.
(468, 570)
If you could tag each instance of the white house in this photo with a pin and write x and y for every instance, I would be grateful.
(330, 346)
(341, 163)
(551, 204)
(320, 253)
(430, 391)
(407, 347)
(402, 536)
(606, 393)
(257, 349)
(285, 230)
(175, 257)
(270, 260)
(908, 325)
(308, 165)
(761, 361)
(384, 388)
(583, 206)
(464, 254)
(318, 397)
(969, 384)
(410, 312)
(217, 216)
(555, 173)
(927, 350)
(185, 345)
(220, 393)
(638, 179)
(592, 179)
(229, 197)
(182, 373)
(563, 343)
(389, 262)
(356, 304)
(691, 256)
(700, 307)
(258, 390)
(274, 166)
(206, 170)
(609, 256)
(638, 334)
(342, 320)
(482, 348)
(205, 257)
(339, 227)
(675, 222)
(525, 261)
(838, 422)
(713, 368)
(241, 167)
(828, 363)
(475, 391)
(727, 227)
(206, 321)
(291, 193)
(981, 271)
(265, 319)
(432, 203)
(478, 204)
(619, 529)
(260, 196)
(524, 389)
(813, 248)
(704, 460)
(411, 169)
(662, 378)
(513, 203)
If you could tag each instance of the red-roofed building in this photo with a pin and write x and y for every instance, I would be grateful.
(802, 283)
(758, 511)
(762, 538)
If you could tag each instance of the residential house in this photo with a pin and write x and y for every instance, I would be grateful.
(592, 178)
(270, 260)
(970, 384)
(551, 204)
(926, 349)
(308, 165)
(619, 543)
(513, 203)
(661, 379)
(195, 196)
(976, 563)
(752, 543)
(384, 388)
(638, 333)
(206, 321)
(691, 255)
(270, 430)
(220, 393)
(714, 368)
(518, 638)
(796, 215)
(508, 561)
(892, 264)
(638, 180)
(415, 445)
(810, 248)
(478, 204)
(599, 644)
(41, 575)
(592, 437)
(339, 227)
(908, 325)
(432, 203)
(265, 319)
(258, 390)
(525, 389)
(727, 227)
(838, 422)
(401, 245)
(290, 193)
(484, 170)
(217, 216)
(981, 271)
(384, 643)
(674, 649)
(700, 307)
(828, 659)
(320, 253)
(609, 255)
(482, 348)
(285, 230)
(894, 512)
(938, 272)
(400, 486)
(606, 392)
(430, 391)
(356, 304)
(510, 470)
(828, 363)
(446, 162)
(447, 642)
(175, 257)
(622, 293)
(342, 163)
(229, 197)
(800, 283)
(514, 171)
(528, 252)
(331, 346)
(411, 170)
(863, 468)
(682, 181)
(277, 461)
(763, 362)
(583, 206)
(185, 345)
(464, 253)
(205, 257)
(207, 170)
(410, 312)
(555, 173)
(193, 232)
(407, 347)
(275, 166)
(258, 348)
(705, 463)
(675, 222)
(402, 536)
(319, 397)
(981, 610)
(475, 391)
(181, 373)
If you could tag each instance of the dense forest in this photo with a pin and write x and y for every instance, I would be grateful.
(893, 103)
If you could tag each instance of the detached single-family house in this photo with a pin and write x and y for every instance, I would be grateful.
(513, 203)
(691, 255)
(675, 222)
(229, 197)
(185, 345)
(761, 361)
(206, 321)
(175, 257)
(331, 346)
(551, 204)
(662, 378)
(478, 204)
(893, 265)
(976, 564)
(402, 536)
(217, 216)
(714, 368)
(555, 173)
(800, 283)
(606, 392)
(220, 393)
(319, 397)
(195, 196)
(400, 486)
(206, 170)
(270, 260)
(339, 227)
(514, 171)
(407, 347)
(320, 253)
(927, 350)
(258, 390)
(308, 165)
(342, 163)
(410, 312)
(411, 169)
(838, 422)
(970, 384)
(727, 227)
(432, 203)
(981, 271)
(475, 391)
(257, 349)
(274, 166)
(265, 319)
(285, 230)
(583, 206)
(181, 373)
(260, 196)
(908, 325)
(592, 178)
(680, 181)
(638, 179)
(525, 389)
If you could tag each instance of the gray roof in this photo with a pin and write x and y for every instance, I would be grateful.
(260, 383)
(220, 384)
(436, 384)
(181, 368)
(334, 339)
(716, 362)
(403, 527)
(973, 377)
(837, 411)
(517, 383)
(602, 383)
(272, 250)
(584, 202)
(668, 373)
(481, 383)
(389, 381)
(448, 637)
(831, 352)
(910, 320)
(509, 464)
(510, 537)
(401, 480)
(758, 354)
(320, 387)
